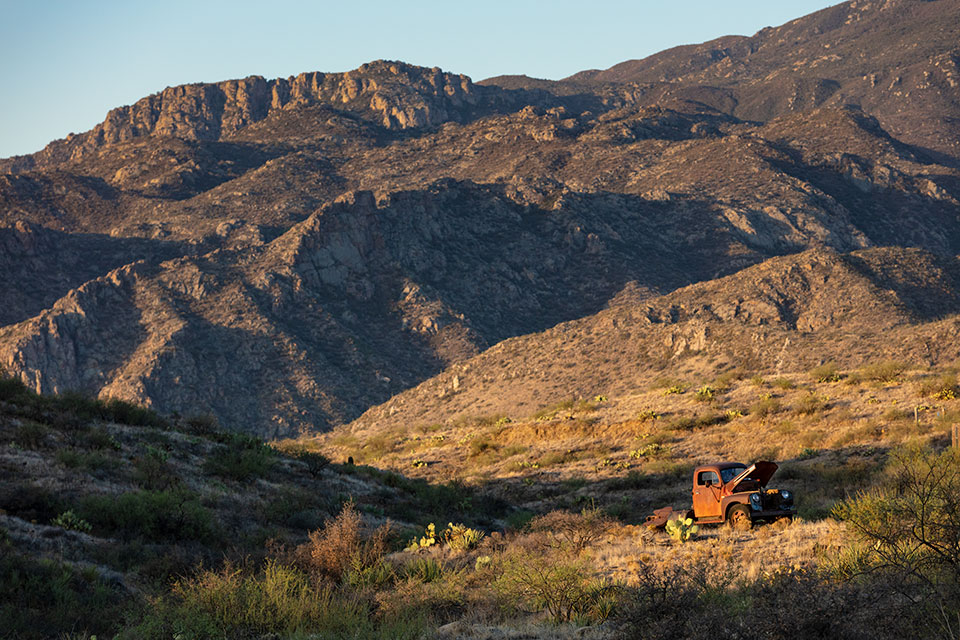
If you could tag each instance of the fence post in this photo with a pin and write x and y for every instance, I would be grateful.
(955, 439)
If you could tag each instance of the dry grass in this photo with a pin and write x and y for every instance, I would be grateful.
(630, 550)
(600, 446)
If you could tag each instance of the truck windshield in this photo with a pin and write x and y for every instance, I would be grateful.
(727, 475)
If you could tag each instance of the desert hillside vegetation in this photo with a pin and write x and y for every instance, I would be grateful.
(171, 527)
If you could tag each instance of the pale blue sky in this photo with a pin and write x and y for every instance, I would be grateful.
(65, 63)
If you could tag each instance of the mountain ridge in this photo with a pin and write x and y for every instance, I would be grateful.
(288, 266)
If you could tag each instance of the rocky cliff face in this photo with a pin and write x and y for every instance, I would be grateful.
(393, 95)
(286, 254)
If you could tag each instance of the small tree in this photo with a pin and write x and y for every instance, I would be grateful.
(911, 526)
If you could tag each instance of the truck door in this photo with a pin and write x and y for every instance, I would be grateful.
(706, 494)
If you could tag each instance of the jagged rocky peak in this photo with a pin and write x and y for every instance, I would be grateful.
(394, 95)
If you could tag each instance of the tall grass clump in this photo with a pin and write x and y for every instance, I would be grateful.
(276, 600)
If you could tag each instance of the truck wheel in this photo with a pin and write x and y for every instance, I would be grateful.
(739, 518)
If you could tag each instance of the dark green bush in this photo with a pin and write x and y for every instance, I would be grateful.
(158, 516)
(29, 502)
(315, 462)
(13, 389)
(46, 599)
(124, 412)
(202, 425)
(689, 423)
(31, 435)
(691, 602)
(153, 470)
(242, 458)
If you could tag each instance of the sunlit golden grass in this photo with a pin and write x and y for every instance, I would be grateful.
(629, 550)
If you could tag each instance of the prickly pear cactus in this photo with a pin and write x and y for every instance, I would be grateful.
(682, 530)
(428, 540)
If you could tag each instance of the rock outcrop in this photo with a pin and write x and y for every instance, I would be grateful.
(287, 254)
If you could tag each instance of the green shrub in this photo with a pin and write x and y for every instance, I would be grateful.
(158, 516)
(116, 410)
(277, 599)
(560, 457)
(518, 520)
(47, 599)
(153, 470)
(827, 372)
(723, 381)
(29, 501)
(242, 458)
(765, 407)
(885, 371)
(13, 390)
(100, 438)
(423, 570)
(31, 435)
(202, 425)
(811, 403)
(571, 405)
(85, 407)
(89, 461)
(689, 423)
(909, 529)
(943, 387)
(314, 461)
(784, 383)
(666, 383)
(70, 521)
(561, 587)
(480, 446)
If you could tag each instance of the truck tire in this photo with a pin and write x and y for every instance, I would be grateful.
(739, 517)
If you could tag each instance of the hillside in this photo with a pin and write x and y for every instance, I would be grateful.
(179, 528)
(863, 52)
(782, 316)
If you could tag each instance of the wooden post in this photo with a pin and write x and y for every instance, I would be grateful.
(916, 415)
(955, 439)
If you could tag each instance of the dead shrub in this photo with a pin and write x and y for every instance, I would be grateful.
(344, 542)
(574, 531)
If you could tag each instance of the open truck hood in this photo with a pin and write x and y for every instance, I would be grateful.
(761, 471)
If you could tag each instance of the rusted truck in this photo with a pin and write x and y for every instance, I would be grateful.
(734, 493)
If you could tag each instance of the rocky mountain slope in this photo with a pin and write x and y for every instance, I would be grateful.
(286, 254)
(788, 314)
